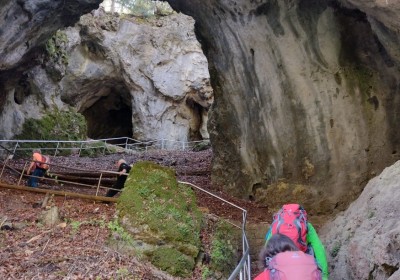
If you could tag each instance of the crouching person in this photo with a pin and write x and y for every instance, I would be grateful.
(38, 167)
(123, 168)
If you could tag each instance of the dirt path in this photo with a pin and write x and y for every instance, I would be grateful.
(78, 249)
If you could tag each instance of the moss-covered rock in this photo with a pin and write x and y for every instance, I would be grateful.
(56, 47)
(162, 216)
(224, 249)
(172, 261)
(277, 194)
(54, 125)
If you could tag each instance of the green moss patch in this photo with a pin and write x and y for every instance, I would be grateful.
(172, 261)
(224, 248)
(54, 125)
(277, 194)
(158, 211)
(56, 47)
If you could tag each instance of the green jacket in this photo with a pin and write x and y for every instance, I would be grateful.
(317, 246)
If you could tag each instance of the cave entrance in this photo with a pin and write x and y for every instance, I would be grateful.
(108, 113)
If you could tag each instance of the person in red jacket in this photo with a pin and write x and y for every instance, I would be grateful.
(280, 257)
(314, 244)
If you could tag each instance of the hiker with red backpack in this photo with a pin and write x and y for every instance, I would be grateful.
(282, 259)
(291, 220)
(38, 167)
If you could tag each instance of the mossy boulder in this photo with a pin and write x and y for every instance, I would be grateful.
(162, 217)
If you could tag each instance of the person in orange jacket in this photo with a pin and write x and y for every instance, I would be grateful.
(37, 169)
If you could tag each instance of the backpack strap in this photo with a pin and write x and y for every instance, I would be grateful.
(298, 226)
(279, 220)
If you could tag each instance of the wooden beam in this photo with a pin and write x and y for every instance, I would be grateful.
(60, 193)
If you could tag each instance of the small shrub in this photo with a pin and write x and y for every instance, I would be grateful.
(335, 250)
(75, 225)
(123, 273)
(206, 273)
(114, 226)
(94, 149)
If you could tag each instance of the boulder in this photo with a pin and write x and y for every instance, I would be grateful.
(162, 218)
(363, 242)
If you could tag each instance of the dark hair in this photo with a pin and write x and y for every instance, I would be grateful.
(278, 243)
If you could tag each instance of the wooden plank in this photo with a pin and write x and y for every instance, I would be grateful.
(60, 193)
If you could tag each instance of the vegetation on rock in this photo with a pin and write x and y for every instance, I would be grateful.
(54, 125)
(146, 8)
(224, 251)
(56, 47)
(162, 216)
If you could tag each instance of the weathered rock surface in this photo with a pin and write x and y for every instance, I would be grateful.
(305, 92)
(364, 241)
(140, 78)
(26, 24)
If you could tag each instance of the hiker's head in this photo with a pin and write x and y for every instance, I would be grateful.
(37, 151)
(119, 162)
(278, 243)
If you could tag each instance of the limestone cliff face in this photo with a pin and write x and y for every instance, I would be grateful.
(146, 79)
(305, 91)
(364, 241)
(26, 24)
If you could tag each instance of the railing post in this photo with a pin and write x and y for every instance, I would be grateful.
(15, 148)
(4, 165)
(80, 149)
(126, 143)
(55, 153)
(249, 267)
(98, 184)
(22, 174)
(104, 149)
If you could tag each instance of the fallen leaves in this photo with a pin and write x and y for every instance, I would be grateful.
(77, 248)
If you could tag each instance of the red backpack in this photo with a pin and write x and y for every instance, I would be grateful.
(291, 221)
(293, 265)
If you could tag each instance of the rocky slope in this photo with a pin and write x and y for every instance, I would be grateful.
(364, 241)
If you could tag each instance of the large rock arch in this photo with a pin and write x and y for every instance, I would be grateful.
(306, 92)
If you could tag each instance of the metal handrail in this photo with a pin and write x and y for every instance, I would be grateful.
(127, 143)
(243, 268)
